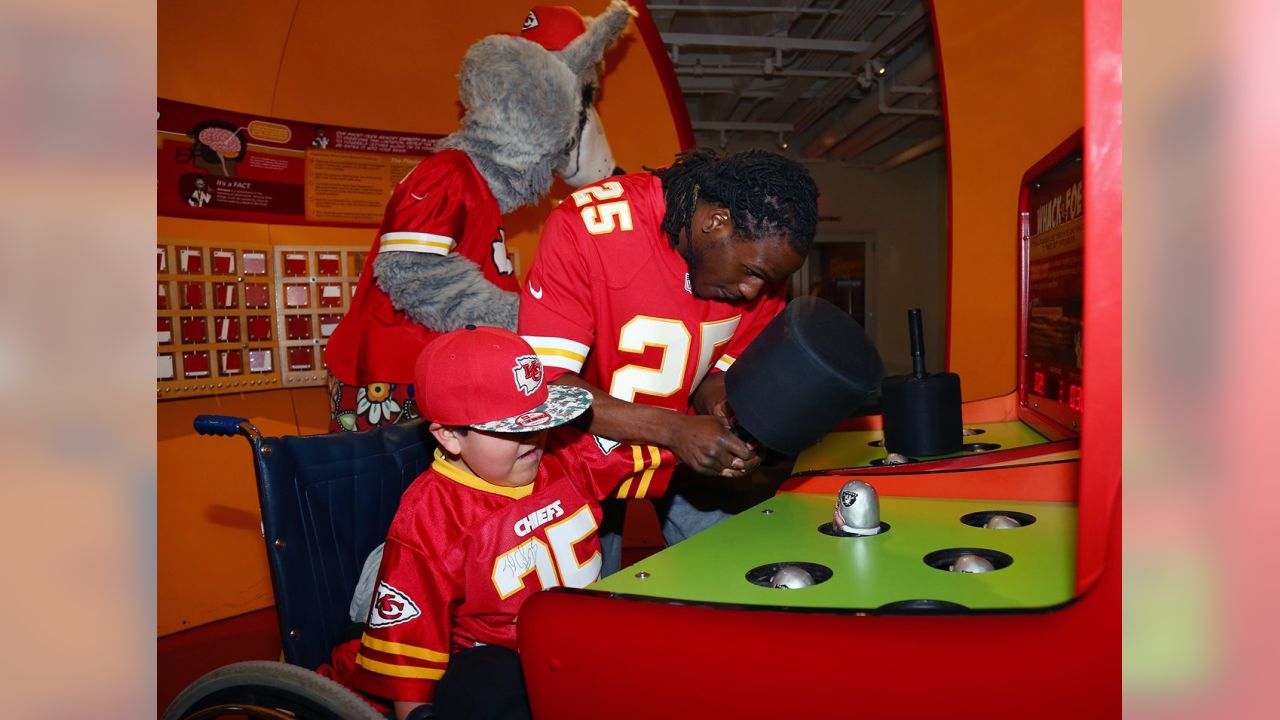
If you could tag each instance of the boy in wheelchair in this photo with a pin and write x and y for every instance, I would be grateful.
(504, 511)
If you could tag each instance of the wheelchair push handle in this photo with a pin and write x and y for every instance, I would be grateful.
(226, 425)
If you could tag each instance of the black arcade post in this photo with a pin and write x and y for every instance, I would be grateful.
(921, 411)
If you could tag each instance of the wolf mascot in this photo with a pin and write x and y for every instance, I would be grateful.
(440, 260)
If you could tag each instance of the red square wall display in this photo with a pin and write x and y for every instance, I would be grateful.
(255, 263)
(259, 361)
(195, 330)
(162, 296)
(297, 327)
(231, 362)
(162, 260)
(195, 364)
(164, 367)
(226, 328)
(259, 328)
(328, 263)
(223, 261)
(224, 295)
(164, 330)
(257, 295)
(190, 260)
(330, 294)
(301, 358)
(295, 263)
(297, 296)
(192, 295)
(328, 323)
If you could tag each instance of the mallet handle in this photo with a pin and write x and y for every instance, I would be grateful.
(917, 341)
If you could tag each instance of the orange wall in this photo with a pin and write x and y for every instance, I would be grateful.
(1013, 83)
(389, 65)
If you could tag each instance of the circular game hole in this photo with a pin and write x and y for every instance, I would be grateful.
(944, 559)
(877, 443)
(922, 606)
(829, 528)
(979, 519)
(763, 575)
(880, 462)
(979, 447)
(973, 431)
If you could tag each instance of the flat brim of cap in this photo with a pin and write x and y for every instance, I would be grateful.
(564, 403)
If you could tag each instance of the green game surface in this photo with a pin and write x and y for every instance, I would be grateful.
(851, 449)
(869, 571)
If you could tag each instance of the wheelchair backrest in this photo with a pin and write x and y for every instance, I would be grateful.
(327, 501)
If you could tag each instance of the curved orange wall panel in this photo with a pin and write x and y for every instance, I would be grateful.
(1013, 84)
(388, 65)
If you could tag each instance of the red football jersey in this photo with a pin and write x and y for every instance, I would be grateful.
(443, 206)
(608, 298)
(462, 555)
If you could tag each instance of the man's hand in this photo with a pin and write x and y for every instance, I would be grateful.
(706, 444)
(703, 442)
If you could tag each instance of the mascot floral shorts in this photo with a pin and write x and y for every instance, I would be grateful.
(364, 407)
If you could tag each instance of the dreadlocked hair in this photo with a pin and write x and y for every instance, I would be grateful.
(766, 194)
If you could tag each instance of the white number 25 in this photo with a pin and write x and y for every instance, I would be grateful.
(675, 340)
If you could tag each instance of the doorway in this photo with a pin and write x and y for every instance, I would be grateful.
(838, 270)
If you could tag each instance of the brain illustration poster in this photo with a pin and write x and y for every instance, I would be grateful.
(221, 165)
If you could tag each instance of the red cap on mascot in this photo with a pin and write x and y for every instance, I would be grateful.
(553, 26)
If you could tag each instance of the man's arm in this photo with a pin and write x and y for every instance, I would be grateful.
(404, 708)
(703, 442)
(710, 398)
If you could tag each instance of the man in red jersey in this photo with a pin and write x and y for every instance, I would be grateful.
(504, 511)
(646, 287)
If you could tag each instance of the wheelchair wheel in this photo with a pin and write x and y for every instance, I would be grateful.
(263, 689)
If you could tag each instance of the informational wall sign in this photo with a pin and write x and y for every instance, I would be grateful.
(221, 165)
(1053, 262)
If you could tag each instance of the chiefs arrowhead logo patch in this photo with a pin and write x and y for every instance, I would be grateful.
(391, 607)
(530, 21)
(528, 373)
(605, 444)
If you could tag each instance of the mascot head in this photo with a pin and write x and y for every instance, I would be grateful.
(528, 102)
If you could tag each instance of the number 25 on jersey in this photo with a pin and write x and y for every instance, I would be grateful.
(553, 561)
(604, 217)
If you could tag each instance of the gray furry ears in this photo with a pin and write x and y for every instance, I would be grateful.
(602, 30)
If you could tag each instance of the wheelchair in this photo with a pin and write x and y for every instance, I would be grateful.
(327, 501)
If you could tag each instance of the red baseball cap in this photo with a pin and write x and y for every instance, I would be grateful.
(553, 26)
(490, 379)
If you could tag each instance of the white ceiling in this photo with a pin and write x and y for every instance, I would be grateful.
(807, 73)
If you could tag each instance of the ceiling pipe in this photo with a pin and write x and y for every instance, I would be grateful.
(754, 71)
(847, 47)
(916, 73)
(872, 134)
(734, 9)
(744, 94)
(919, 150)
(852, 21)
(908, 25)
(734, 125)
(886, 109)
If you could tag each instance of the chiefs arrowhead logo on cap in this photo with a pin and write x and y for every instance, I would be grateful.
(528, 373)
(391, 607)
(530, 21)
